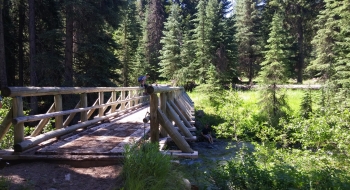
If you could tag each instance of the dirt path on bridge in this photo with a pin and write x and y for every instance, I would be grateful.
(50, 176)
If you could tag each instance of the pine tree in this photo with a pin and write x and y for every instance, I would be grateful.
(274, 70)
(188, 49)
(142, 52)
(342, 47)
(247, 37)
(300, 16)
(200, 35)
(324, 43)
(170, 60)
(230, 72)
(278, 55)
(155, 24)
(127, 37)
(341, 77)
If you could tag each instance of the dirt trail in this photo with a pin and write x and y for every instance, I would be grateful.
(51, 176)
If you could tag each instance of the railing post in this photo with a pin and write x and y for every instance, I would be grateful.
(163, 99)
(114, 98)
(17, 105)
(131, 102)
(58, 107)
(101, 101)
(122, 97)
(83, 104)
(154, 120)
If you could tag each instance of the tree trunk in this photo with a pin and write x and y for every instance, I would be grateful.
(68, 71)
(301, 57)
(3, 75)
(33, 79)
(21, 23)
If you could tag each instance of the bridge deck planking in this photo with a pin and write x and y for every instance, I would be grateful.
(103, 139)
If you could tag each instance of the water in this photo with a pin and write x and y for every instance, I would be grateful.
(209, 157)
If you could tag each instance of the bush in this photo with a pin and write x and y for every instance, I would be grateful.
(145, 168)
(271, 168)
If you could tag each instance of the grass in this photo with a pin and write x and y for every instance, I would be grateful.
(145, 168)
(4, 183)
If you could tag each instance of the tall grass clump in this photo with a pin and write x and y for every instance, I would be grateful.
(145, 168)
(4, 183)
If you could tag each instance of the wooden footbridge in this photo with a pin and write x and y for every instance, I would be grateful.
(98, 132)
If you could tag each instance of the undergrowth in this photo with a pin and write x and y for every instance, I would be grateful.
(307, 147)
(145, 168)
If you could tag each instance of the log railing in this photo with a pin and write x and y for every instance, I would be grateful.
(168, 113)
(174, 108)
(129, 98)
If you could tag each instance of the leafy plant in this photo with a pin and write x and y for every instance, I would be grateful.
(146, 168)
(306, 105)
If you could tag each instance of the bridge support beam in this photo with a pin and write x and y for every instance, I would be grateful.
(154, 119)
(173, 133)
(162, 106)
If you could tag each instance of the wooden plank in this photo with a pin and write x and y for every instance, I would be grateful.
(189, 139)
(180, 154)
(23, 145)
(132, 139)
(192, 129)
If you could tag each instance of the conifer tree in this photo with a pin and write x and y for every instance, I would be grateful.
(200, 35)
(274, 70)
(127, 37)
(324, 43)
(278, 54)
(341, 76)
(342, 48)
(188, 48)
(170, 60)
(246, 36)
(142, 52)
(155, 25)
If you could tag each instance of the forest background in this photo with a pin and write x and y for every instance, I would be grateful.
(111, 43)
(212, 43)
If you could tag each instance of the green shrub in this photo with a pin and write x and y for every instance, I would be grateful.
(271, 168)
(145, 168)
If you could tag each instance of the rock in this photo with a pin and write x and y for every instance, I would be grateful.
(187, 184)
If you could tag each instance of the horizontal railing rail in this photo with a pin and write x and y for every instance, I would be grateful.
(129, 98)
